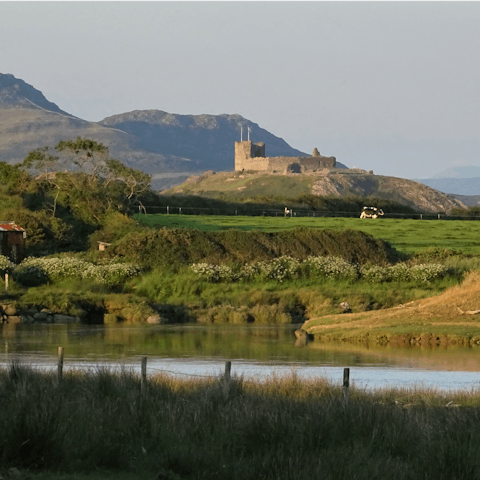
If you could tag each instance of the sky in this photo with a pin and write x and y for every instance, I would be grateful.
(391, 87)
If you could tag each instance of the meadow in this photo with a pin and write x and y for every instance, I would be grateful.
(102, 425)
(406, 235)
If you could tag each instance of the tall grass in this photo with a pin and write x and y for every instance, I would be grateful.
(284, 429)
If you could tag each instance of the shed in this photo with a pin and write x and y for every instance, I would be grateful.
(12, 241)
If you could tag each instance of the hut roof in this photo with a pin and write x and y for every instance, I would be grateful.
(10, 227)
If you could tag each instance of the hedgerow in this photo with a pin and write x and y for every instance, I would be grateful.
(37, 271)
(332, 268)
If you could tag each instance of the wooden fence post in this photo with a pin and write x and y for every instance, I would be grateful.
(228, 368)
(6, 281)
(61, 352)
(144, 374)
(346, 383)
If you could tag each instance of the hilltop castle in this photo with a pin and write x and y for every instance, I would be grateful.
(251, 156)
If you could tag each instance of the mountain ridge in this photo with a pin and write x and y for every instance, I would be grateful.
(169, 146)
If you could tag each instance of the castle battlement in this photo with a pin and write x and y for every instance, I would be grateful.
(251, 156)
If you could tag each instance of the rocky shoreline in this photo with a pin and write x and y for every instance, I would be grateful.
(10, 314)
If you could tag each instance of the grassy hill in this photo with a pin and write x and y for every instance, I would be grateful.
(245, 186)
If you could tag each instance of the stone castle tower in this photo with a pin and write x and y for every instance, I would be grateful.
(251, 156)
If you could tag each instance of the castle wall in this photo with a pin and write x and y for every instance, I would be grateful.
(249, 156)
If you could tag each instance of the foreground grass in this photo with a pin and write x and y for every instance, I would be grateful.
(206, 429)
(406, 235)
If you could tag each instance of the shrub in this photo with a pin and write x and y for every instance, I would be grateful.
(280, 268)
(6, 266)
(428, 273)
(30, 275)
(375, 274)
(58, 268)
(332, 268)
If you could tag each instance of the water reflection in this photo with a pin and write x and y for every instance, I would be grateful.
(262, 343)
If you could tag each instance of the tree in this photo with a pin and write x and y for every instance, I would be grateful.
(87, 179)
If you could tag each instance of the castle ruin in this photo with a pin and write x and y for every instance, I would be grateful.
(251, 156)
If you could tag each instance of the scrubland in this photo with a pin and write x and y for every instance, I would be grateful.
(95, 424)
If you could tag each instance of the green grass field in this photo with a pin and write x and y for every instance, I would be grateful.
(406, 235)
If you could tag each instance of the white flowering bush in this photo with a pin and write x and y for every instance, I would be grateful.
(280, 268)
(251, 270)
(427, 273)
(375, 273)
(332, 268)
(57, 268)
(112, 274)
(335, 268)
(215, 273)
(54, 269)
(6, 265)
(400, 272)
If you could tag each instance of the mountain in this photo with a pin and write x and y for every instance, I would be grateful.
(170, 147)
(454, 186)
(207, 138)
(459, 172)
(235, 186)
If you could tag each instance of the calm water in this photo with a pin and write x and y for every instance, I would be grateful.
(255, 352)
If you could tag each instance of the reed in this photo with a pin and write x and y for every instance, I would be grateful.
(205, 428)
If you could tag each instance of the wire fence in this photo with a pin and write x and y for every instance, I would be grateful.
(277, 212)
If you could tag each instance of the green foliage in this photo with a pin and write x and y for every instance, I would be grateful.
(406, 235)
(6, 266)
(331, 268)
(29, 275)
(174, 247)
(57, 269)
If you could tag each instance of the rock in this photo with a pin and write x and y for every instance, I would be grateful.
(9, 310)
(58, 318)
(47, 311)
(303, 338)
(14, 319)
(14, 473)
(345, 306)
(41, 316)
(154, 319)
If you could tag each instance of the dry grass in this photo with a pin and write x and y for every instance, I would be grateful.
(434, 315)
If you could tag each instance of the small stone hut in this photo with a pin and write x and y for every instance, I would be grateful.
(12, 241)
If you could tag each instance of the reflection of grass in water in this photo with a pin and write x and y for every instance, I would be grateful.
(203, 428)
(407, 235)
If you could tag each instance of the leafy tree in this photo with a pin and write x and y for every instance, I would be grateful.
(82, 175)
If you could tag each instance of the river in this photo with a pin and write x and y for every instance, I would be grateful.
(255, 352)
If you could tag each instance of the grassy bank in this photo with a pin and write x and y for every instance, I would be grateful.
(449, 318)
(198, 429)
(406, 235)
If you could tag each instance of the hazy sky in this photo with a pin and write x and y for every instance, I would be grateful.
(392, 87)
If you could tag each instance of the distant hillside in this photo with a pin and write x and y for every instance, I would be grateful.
(459, 172)
(169, 146)
(469, 200)
(208, 139)
(338, 183)
(454, 186)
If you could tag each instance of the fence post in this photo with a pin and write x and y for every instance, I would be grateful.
(421, 216)
(228, 368)
(6, 281)
(179, 210)
(144, 374)
(346, 383)
(61, 352)
(167, 210)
